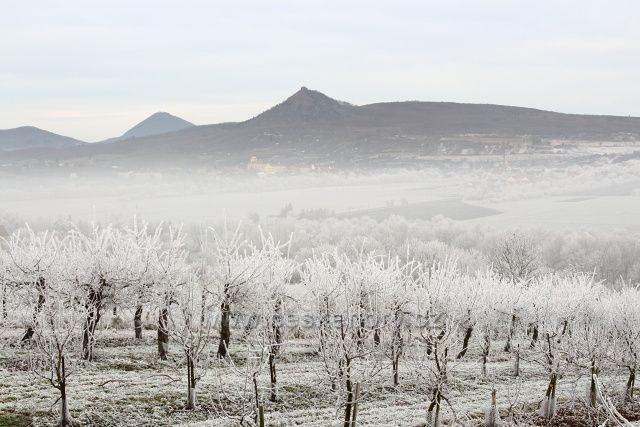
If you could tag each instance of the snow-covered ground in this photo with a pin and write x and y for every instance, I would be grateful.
(128, 386)
(602, 196)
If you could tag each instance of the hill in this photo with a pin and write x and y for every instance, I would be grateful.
(31, 137)
(312, 128)
(156, 124)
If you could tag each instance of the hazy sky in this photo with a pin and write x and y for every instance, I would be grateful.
(92, 69)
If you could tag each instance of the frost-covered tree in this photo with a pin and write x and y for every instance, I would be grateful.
(105, 265)
(490, 298)
(553, 304)
(348, 316)
(591, 339)
(438, 335)
(147, 243)
(235, 266)
(170, 271)
(262, 313)
(29, 258)
(267, 306)
(515, 256)
(5, 276)
(395, 282)
(623, 317)
(57, 335)
(190, 324)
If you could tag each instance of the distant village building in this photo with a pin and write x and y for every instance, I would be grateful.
(258, 165)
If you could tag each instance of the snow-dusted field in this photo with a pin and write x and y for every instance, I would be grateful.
(605, 213)
(602, 197)
(127, 385)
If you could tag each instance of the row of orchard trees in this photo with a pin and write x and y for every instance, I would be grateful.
(58, 287)
(429, 316)
(371, 318)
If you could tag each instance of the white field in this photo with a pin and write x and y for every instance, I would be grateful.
(214, 205)
(607, 213)
(575, 204)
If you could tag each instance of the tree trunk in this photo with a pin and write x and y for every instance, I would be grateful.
(433, 413)
(203, 307)
(191, 382)
(483, 370)
(356, 399)
(273, 397)
(511, 334)
(465, 343)
(4, 300)
(163, 333)
(593, 398)
(191, 398)
(274, 349)
(225, 325)
(65, 414)
(396, 370)
(516, 362)
(534, 336)
(492, 415)
(631, 382)
(548, 408)
(349, 403)
(396, 347)
(565, 329)
(137, 322)
(485, 352)
(40, 288)
(361, 330)
(93, 307)
(256, 397)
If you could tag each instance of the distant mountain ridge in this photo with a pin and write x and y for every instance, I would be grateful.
(33, 137)
(312, 128)
(30, 137)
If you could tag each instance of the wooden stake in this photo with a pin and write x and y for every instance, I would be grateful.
(261, 415)
(355, 405)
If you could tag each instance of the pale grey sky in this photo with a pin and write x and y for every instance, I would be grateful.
(92, 69)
